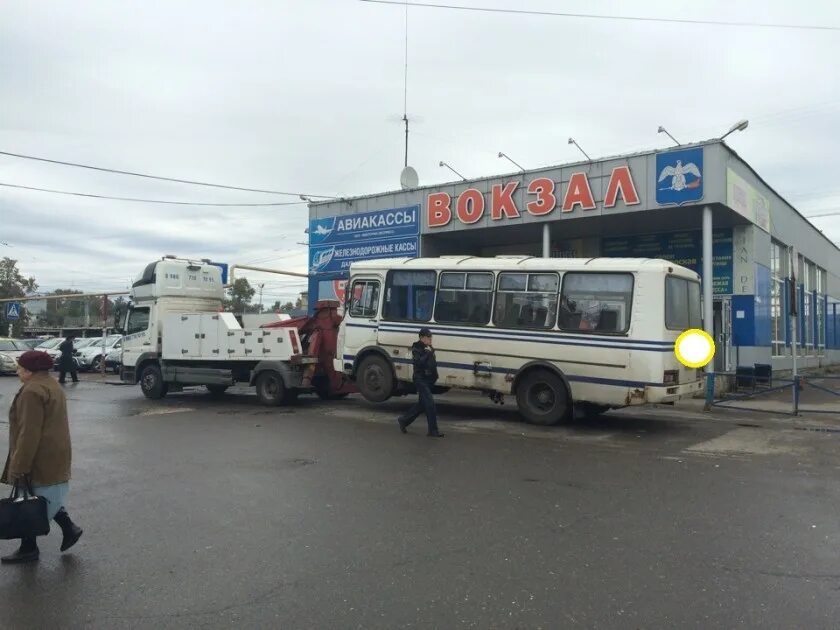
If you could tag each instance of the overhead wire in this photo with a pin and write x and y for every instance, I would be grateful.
(597, 16)
(160, 177)
(158, 201)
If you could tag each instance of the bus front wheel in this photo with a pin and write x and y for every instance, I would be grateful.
(375, 379)
(542, 398)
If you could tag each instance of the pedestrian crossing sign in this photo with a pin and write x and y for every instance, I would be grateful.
(12, 311)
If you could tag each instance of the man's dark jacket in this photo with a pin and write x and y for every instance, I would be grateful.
(425, 363)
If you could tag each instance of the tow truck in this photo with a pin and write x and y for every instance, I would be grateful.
(177, 334)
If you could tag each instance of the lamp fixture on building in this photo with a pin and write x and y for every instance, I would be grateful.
(665, 131)
(738, 126)
(453, 170)
(572, 141)
(508, 158)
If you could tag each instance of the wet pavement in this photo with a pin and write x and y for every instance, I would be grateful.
(222, 513)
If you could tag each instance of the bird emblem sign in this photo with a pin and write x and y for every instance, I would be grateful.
(679, 176)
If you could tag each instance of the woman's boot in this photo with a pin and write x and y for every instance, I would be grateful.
(27, 552)
(69, 529)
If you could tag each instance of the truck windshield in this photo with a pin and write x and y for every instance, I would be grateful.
(138, 320)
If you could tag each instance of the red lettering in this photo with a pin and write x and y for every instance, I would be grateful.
(438, 211)
(470, 206)
(578, 193)
(546, 201)
(503, 203)
(621, 181)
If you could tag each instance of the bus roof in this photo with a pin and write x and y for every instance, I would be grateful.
(525, 263)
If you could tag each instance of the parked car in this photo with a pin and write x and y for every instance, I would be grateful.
(32, 344)
(49, 344)
(10, 350)
(51, 348)
(90, 356)
(113, 360)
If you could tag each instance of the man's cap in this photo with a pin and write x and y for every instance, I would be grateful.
(425, 332)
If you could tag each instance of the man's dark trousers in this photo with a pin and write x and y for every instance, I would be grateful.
(425, 403)
(73, 374)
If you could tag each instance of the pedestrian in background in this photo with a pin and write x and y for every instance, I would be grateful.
(39, 448)
(425, 376)
(67, 363)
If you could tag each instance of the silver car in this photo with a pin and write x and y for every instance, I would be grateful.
(10, 350)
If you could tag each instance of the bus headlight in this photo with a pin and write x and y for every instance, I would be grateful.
(694, 348)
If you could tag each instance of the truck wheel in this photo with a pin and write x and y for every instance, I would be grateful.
(375, 379)
(271, 390)
(542, 398)
(151, 382)
(216, 390)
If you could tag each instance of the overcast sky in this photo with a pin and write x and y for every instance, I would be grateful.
(306, 96)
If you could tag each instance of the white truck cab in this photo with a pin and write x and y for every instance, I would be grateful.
(176, 334)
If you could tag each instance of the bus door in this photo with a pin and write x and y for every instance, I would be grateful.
(363, 298)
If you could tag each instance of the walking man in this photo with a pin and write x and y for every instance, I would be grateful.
(67, 363)
(425, 376)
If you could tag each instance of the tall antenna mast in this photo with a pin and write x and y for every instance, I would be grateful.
(405, 83)
(408, 177)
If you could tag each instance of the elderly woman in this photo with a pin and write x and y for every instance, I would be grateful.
(39, 448)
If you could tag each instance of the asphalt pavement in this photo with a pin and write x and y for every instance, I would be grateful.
(222, 513)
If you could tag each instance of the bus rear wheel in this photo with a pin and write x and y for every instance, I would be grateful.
(375, 379)
(542, 398)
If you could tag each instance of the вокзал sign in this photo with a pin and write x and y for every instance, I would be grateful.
(543, 197)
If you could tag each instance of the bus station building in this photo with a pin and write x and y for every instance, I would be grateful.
(700, 206)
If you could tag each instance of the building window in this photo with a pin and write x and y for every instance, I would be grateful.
(409, 296)
(808, 311)
(820, 288)
(364, 299)
(526, 300)
(778, 273)
(464, 298)
(596, 302)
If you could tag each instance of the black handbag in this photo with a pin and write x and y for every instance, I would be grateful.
(23, 514)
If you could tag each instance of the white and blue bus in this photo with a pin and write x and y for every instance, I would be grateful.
(557, 333)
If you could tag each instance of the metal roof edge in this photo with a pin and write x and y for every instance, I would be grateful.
(519, 174)
(779, 195)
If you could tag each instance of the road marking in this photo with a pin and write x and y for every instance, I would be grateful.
(160, 411)
(750, 442)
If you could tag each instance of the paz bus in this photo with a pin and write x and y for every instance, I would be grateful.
(558, 334)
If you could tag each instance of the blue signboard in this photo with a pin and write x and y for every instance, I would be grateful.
(12, 311)
(681, 248)
(335, 242)
(224, 268)
(679, 176)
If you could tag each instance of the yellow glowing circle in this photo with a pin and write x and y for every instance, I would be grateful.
(694, 348)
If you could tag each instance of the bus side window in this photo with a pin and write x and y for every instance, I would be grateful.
(464, 298)
(597, 302)
(526, 300)
(410, 295)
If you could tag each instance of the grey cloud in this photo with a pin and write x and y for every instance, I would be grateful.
(273, 95)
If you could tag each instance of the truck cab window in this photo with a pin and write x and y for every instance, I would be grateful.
(138, 320)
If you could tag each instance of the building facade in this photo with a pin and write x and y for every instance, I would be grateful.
(651, 205)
